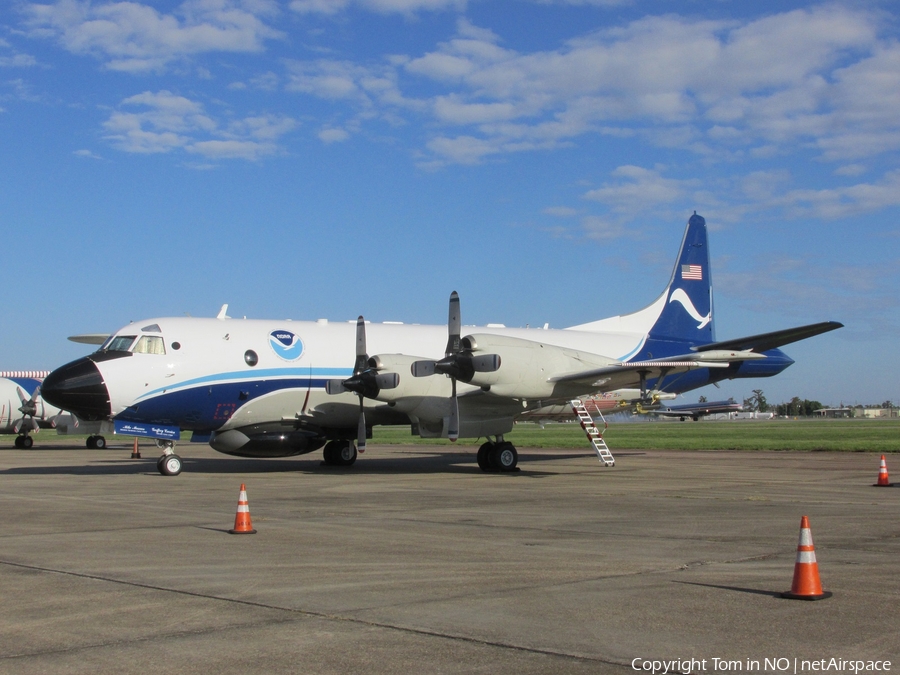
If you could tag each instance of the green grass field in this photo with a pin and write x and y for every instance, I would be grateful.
(881, 436)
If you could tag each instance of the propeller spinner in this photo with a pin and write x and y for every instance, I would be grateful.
(365, 382)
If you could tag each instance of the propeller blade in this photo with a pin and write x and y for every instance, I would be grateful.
(453, 425)
(454, 325)
(486, 363)
(387, 380)
(422, 368)
(361, 428)
(361, 356)
(335, 386)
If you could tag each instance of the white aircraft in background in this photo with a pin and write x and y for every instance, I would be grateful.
(22, 412)
(279, 388)
(697, 410)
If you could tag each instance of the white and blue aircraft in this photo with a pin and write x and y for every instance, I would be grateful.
(257, 388)
(22, 412)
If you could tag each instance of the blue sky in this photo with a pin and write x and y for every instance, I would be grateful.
(325, 158)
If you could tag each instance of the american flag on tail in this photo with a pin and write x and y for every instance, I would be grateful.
(692, 272)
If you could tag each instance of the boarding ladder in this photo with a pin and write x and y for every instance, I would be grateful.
(595, 436)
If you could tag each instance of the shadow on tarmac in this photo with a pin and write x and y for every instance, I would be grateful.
(448, 463)
(754, 591)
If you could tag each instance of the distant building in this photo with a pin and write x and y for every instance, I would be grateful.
(858, 411)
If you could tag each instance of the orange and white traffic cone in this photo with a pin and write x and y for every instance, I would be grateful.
(806, 584)
(242, 523)
(883, 475)
(135, 453)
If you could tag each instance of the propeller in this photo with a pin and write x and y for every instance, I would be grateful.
(28, 409)
(458, 364)
(365, 382)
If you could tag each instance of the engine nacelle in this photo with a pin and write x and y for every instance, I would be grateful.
(408, 386)
(526, 365)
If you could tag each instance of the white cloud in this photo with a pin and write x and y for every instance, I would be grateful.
(134, 37)
(333, 135)
(330, 7)
(17, 61)
(638, 190)
(810, 78)
(165, 122)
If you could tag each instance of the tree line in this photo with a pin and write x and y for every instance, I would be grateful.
(796, 407)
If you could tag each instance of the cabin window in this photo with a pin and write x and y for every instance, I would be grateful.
(120, 343)
(150, 344)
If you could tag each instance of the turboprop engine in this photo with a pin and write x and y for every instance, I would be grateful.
(526, 366)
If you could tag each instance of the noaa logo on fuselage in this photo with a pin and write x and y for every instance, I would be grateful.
(285, 344)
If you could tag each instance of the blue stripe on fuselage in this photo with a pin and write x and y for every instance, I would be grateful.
(281, 374)
(209, 405)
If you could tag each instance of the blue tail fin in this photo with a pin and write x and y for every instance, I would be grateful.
(687, 313)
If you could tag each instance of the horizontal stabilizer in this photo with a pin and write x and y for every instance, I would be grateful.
(767, 341)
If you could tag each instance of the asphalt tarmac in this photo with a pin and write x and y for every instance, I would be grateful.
(415, 561)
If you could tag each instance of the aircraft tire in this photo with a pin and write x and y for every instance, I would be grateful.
(504, 457)
(331, 453)
(170, 465)
(27, 442)
(347, 454)
(91, 442)
(484, 454)
(99, 442)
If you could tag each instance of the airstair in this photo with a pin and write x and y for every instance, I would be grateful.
(595, 436)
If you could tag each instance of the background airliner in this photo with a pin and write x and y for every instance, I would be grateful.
(278, 388)
(697, 410)
(22, 411)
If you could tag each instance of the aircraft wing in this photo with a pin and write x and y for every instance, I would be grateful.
(766, 341)
(634, 373)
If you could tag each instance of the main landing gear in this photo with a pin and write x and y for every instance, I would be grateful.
(498, 455)
(24, 441)
(339, 453)
(169, 464)
(95, 442)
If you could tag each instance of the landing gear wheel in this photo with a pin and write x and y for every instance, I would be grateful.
(339, 453)
(91, 442)
(348, 453)
(504, 456)
(169, 465)
(484, 454)
(27, 441)
(99, 442)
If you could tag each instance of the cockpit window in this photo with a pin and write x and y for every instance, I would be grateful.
(152, 328)
(150, 344)
(120, 343)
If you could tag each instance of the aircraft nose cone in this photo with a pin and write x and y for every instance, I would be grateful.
(78, 388)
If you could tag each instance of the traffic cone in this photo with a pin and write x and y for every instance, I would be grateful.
(883, 475)
(135, 453)
(806, 584)
(242, 523)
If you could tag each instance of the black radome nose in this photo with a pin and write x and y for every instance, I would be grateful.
(78, 388)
